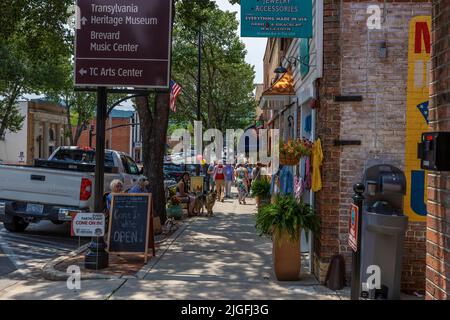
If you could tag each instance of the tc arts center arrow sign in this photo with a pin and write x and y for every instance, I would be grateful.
(123, 44)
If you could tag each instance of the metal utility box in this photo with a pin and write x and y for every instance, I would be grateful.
(434, 151)
(383, 231)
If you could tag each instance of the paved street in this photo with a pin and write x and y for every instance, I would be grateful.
(22, 255)
(210, 258)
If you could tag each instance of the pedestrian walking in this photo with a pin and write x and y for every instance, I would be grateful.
(229, 179)
(219, 180)
(257, 172)
(205, 173)
(242, 183)
(210, 174)
(249, 169)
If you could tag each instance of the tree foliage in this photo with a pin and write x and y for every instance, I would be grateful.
(33, 39)
(227, 80)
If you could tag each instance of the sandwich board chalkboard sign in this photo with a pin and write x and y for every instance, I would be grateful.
(131, 224)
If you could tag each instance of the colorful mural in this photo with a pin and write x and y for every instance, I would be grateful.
(417, 114)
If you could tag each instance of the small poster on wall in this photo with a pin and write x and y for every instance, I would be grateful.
(353, 228)
(197, 184)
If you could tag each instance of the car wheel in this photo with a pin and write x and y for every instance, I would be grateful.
(17, 225)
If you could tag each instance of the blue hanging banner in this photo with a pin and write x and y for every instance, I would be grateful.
(276, 18)
(304, 57)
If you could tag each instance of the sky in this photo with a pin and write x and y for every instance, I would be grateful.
(255, 46)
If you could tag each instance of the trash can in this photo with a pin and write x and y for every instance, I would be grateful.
(383, 232)
(382, 245)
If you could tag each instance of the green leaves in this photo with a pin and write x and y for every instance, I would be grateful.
(286, 214)
(227, 80)
(33, 41)
(261, 188)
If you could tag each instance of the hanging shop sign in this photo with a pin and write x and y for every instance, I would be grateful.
(276, 18)
(123, 44)
(304, 57)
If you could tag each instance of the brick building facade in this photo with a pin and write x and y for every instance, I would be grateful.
(438, 219)
(119, 138)
(353, 65)
(387, 120)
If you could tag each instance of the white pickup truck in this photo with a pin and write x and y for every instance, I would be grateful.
(52, 189)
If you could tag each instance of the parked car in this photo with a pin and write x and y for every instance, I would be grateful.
(52, 189)
(175, 171)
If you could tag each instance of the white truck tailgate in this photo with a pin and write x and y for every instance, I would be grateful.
(40, 185)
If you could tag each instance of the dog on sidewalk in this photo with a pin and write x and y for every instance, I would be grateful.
(199, 204)
(210, 202)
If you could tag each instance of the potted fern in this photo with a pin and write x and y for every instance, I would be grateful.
(261, 190)
(283, 220)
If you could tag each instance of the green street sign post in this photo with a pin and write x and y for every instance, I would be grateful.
(276, 18)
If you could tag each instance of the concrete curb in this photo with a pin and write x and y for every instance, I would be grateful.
(49, 271)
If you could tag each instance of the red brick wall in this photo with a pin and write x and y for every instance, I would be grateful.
(328, 128)
(352, 67)
(118, 138)
(438, 219)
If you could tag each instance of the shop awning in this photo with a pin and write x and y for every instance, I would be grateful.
(280, 94)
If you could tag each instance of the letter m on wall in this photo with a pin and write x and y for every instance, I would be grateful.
(422, 37)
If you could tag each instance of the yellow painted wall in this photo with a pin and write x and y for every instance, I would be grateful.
(416, 124)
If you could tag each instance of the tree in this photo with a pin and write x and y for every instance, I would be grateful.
(80, 106)
(32, 38)
(228, 101)
(153, 111)
(227, 86)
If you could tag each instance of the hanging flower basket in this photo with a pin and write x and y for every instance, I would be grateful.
(289, 160)
(293, 150)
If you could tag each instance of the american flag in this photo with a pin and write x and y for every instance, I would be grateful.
(174, 92)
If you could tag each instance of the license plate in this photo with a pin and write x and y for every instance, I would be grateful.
(2, 208)
(35, 208)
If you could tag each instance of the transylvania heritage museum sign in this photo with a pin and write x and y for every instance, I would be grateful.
(123, 43)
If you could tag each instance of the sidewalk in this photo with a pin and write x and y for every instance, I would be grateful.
(220, 258)
(209, 258)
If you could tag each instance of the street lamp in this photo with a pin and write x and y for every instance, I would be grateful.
(292, 61)
(199, 86)
(91, 134)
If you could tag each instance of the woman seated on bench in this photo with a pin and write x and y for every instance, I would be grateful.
(183, 193)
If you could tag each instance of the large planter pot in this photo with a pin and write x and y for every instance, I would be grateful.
(174, 212)
(286, 257)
